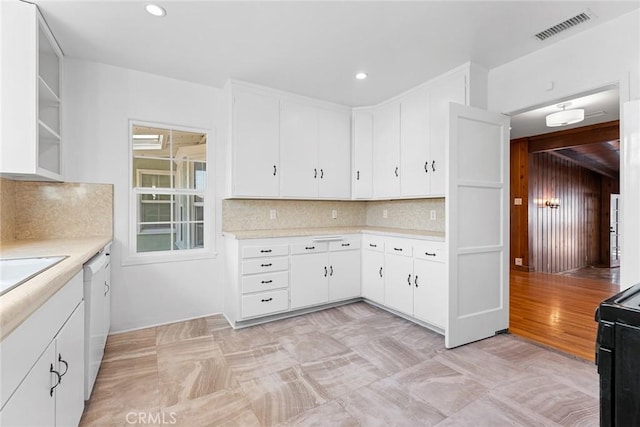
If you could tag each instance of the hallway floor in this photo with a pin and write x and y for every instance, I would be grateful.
(608, 275)
(354, 365)
(557, 310)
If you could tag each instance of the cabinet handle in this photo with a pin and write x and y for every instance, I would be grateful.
(265, 251)
(380, 272)
(264, 282)
(415, 280)
(325, 271)
(321, 173)
(106, 288)
(315, 173)
(426, 166)
(429, 254)
(372, 245)
(53, 371)
(66, 366)
(266, 265)
(266, 300)
(275, 170)
(358, 176)
(433, 165)
(331, 270)
(396, 171)
(397, 249)
(344, 245)
(409, 280)
(309, 248)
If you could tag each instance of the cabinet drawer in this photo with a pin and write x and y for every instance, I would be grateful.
(264, 251)
(431, 252)
(309, 247)
(265, 265)
(373, 243)
(265, 282)
(344, 245)
(398, 247)
(265, 303)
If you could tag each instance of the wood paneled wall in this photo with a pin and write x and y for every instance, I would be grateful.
(609, 186)
(567, 237)
(519, 247)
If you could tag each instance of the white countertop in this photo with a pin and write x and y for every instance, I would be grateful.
(294, 232)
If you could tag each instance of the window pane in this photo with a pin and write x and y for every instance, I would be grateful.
(189, 235)
(189, 208)
(152, 173)
(151, 142)
(153, 208)
(190, 154)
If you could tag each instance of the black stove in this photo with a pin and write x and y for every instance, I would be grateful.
(618, 358)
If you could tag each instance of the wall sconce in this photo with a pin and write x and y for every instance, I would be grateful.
(552, 203)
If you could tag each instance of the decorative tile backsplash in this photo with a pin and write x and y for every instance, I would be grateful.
(45, 210)
(412, 214)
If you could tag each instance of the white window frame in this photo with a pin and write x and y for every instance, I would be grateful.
(132, 257)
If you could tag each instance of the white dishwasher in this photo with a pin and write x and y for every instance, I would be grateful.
(97, 302)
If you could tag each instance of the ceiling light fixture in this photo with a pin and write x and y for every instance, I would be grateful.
(361, 75)
(565, 117)
(155, 10)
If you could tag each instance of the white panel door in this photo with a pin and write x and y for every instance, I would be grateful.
(398, 284)
(414, 144)
(299, 150)
(386, 151)
(451, 89)
(309, 280)
(334, 154)
(256, 142)
(363, 155)
(629, 194)
(477, 203)
(70, 364)
(344, 275)
(373, 273)
(430, 292)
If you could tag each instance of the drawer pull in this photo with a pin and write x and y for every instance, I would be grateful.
(265, 251)
(325, 271)
(380, 272)
(266, 300)
(372, 245)
(264, 282)
(66, 366)
(397, 249)
(331, 270)
(309, 248)
(429, 254)
(415, 280)
(409, 280)
(344, 245)
(59, 378)
(266, 265)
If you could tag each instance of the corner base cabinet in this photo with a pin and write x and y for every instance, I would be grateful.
(42, 363)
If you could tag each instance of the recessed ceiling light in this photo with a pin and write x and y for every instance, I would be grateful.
(155, 10)
(361, 75)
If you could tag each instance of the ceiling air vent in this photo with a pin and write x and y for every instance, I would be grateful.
(564, 25)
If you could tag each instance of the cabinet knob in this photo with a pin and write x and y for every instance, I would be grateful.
(266, 300)
(433, 165)
(415, 280)
(321, 173)
(372, 245)
(309, 248)
(344, 245)
(429, 254)
(358, 176)
(265, 251)
(264, 282)
(331, 270)
(275, 170)
(380, 272)
(396, 171)
(397, 249)
(106, 288)
(426, 166)
(409, 280)
(325, 271)
(315, 173)
(266, 265)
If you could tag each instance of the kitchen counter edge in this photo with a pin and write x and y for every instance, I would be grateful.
(297, 232)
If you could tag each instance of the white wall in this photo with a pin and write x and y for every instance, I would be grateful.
(99, 101)
(606, 54)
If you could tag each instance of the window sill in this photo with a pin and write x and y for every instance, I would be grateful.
(163, 257)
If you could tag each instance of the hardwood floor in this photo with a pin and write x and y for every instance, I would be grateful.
(557, 311)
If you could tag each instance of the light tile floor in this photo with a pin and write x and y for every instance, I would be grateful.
(347, 366)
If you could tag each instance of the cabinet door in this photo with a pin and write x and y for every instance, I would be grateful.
(414, 144)
(256, 139)
(430, 292)
(299, 145)
(362, 155)
(69, 359)
(344, 275)
(334, 154)
(450, 89)
(398, 284)
(386, 151)
(373, 273)
(309, 280)
(33, 404)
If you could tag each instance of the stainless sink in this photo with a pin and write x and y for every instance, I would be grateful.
(15, 271)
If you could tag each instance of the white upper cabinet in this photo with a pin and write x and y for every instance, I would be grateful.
(386, 150)
(415, 160)
(362, 171)
(256, 143)
(334, 154)
(299, 144)
(31, 96)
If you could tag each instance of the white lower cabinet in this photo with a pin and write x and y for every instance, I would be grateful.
(309, 280)
(398, 285)
(51, 391)
(344, 274)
